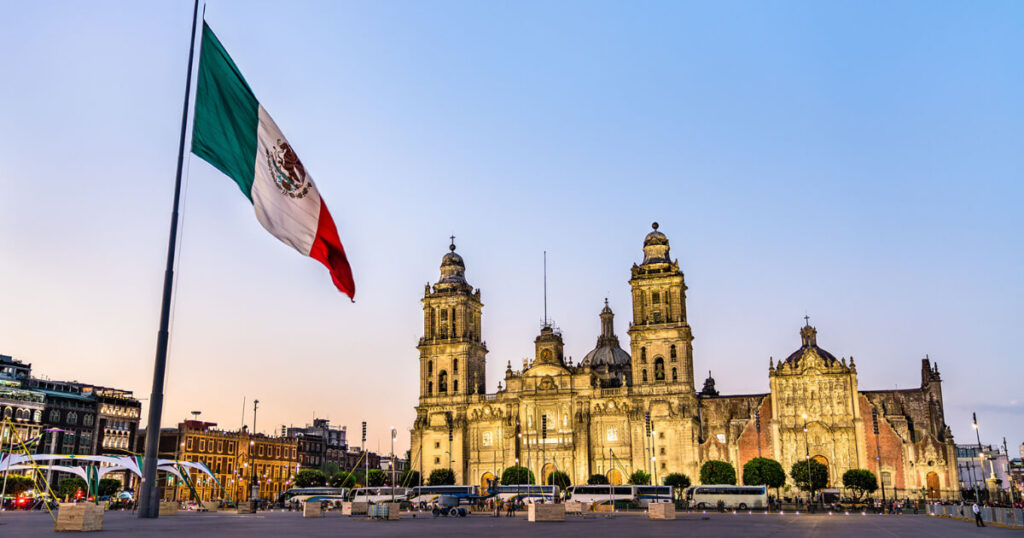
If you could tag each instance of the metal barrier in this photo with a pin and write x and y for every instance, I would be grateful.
(1006, 517)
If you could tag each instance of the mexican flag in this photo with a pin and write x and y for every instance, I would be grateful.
(233, 132)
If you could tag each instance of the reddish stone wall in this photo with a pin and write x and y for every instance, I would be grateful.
(887, 443)
(747, 443)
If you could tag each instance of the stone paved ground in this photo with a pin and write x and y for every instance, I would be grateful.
(284, 524)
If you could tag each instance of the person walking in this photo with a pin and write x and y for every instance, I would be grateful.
(977, 515)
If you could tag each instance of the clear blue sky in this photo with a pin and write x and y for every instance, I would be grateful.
(860, 162)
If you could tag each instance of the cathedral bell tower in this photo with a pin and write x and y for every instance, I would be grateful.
(660, 337)
(452, 354)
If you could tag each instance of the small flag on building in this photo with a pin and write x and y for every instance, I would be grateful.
(233, 132)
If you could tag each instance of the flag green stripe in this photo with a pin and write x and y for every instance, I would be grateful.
(226, 116)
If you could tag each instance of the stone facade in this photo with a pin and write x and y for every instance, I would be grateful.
(617, 412)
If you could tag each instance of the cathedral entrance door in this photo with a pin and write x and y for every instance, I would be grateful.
(933, 485)
(545, 473)
(824, 461)
(614, 477)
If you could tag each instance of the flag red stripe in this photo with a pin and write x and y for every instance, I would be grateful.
(327, 248)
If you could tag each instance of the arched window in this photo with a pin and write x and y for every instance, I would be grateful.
(21, 414)
(455, 366)
(644, 375)
(659, 369)
(643, 355)
(8, 412)
(442, 381)
(72, 418)
(455, 386)
(430, 367)
(672, 352)
(430, 387)
(54, 416)
(674, 378)
(87, 420)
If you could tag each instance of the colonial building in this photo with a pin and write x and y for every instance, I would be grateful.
(617, 412)
(235, 457)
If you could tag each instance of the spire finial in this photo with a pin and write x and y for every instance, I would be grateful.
(452, 246)
(654, 225)
(807, 320)
(606, 301)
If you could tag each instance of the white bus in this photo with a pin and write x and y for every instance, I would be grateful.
(529, 494)
(301, 495)
(737, 497)
(603, 494)
(654, 494)
(379, 495)
(432, 494)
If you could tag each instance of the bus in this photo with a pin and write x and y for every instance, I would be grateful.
(738, 497)
(379, 495)
(432, 494)
(603, 493)
(527, 493)
(654, 494)
(301, 495)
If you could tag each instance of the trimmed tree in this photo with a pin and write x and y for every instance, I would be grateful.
(764, 472)
(343, 479)
(861, 481)
(816, 479)
(441, 477)
(409, 478)
(16, 485)
(109, 486)
(69, 487)
(560, 479)
(597, 480)
(309, 478)
(679, 483)
(717, 472)
(376, 478)
(517, 474)
(640, 478)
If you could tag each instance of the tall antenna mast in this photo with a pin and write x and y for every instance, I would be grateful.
(545, 288)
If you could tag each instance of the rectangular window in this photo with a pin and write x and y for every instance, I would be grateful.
(261, 450)
(202, 445)
(437, 444)
(277, 452)
(437, 459)
(488, 439)
(886, 478)
(189, 444)
(613, 434)
(220, 446)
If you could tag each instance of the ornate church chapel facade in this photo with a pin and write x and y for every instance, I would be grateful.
(616, 412)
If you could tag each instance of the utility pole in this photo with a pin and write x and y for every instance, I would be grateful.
(807, 461)
(366, 457)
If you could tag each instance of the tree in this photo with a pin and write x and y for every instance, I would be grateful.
(679, 483)
(308, 478)
(517, 474)
(861, 481)
(560, 479)
(109, 486)
(409, 478)
(640, 478)
(441, 477)
(764, 472)
(717, 472)
(376, 478)
(16, 485)
(69, 487)
(343, 479)
(331, 468)
(597, 479)
(818, 475)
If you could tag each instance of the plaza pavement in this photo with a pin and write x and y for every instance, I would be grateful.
(286, 524)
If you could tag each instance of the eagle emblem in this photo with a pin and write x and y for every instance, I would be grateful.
(289, 174)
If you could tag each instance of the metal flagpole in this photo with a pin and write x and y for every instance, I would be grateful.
(149, 504)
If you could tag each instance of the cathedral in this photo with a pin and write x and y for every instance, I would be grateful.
(616, 412)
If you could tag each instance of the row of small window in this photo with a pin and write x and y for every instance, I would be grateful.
(22, 414)
(438, 323)
(115, 442)
(442, 379)
(71, 418)
(203, 445)
(121, 411)
(659, 372)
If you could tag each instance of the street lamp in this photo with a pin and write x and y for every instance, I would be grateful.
(981, 455)
(807, 459)
(394, 434)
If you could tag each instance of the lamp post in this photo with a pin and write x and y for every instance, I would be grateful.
(1009, 473)
(878, 454)
(807, 459)
(981, 453)
(519, 475)
(254, 487)
(394, 434)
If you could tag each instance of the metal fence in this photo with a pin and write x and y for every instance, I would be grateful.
(1009, 517)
